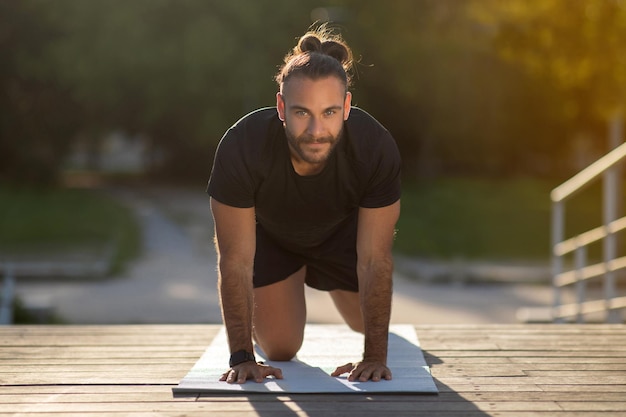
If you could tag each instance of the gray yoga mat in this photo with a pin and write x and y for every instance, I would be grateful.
(325, 347)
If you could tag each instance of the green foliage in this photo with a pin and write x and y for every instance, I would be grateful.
(577, 45)
(453, 105)
(179, 72)
(470, 218)
(37, 116)
(46, 220)
(486, 219)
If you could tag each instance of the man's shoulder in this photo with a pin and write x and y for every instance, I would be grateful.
(366, 132)
(253, 130)
(361, 118)
(365, 129)
(252, 139)
(259, 117)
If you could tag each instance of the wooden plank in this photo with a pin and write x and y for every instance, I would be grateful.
(337, 413)
(574, 373)
(439, 371)
(566, 360)
(118, 340)
(523, 354)
(556, 396)
(545, 380)
(489, 371)
(465, 386)
(74, 378)
(596, 406)
(454, 329)
(24, 363)
(538, 362)
(575, 348)
(526, 337)
(137, 336)
(265, 407)
(163, 367)
(130, 329)
(162, 351)
(66, 398)
(165, 390)
(578, 367)
(593, 388)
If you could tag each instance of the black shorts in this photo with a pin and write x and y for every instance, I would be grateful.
(331, 267)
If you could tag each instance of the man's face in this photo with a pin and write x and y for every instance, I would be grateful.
(313, 112)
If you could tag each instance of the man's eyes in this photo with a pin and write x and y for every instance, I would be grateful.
(303, 113)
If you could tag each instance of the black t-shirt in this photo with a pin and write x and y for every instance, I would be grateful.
(253, 168)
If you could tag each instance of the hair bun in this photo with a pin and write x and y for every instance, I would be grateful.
(310, 43)
(318, 53)
(337, 51)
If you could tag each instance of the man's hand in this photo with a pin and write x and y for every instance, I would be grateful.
(239, 374)
(364, 371)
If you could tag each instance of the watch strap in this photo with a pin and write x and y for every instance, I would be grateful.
(241, 356)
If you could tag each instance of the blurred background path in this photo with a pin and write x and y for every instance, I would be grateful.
(174, 280)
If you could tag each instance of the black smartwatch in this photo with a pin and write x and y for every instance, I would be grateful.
(241, 356)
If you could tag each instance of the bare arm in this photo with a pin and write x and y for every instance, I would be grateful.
(235, 242)
(375, 236)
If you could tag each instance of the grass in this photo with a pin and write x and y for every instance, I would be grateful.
(56, 221)
(486, 219)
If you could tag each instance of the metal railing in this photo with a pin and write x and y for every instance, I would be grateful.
(611, 304)
(7, 291)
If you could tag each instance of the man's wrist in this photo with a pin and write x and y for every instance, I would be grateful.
(241, 356)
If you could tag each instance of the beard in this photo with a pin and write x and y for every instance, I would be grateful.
(302, 146)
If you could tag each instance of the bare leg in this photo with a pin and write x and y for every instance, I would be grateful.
(349, 306)
(279, 317)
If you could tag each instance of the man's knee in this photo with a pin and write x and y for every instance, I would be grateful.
(279, 350)
(281, 353)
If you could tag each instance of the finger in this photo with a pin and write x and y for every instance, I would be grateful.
(364, 372)
(242, 377)
(232, 375)
(342, 369)
(276, 372)
(376, 375)
(267, 371)
(358, 373)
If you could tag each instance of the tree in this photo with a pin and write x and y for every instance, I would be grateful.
(37, 114)
(178, 72)
(578, 46)
(452, 103)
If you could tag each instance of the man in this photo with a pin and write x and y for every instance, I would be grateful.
(305, 193)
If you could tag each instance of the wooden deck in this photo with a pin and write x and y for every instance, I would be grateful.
(501, 370)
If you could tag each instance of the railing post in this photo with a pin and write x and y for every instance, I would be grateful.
(613, 196)
(558, 233)
(6, 302)
(581, 261)
(610, 193)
